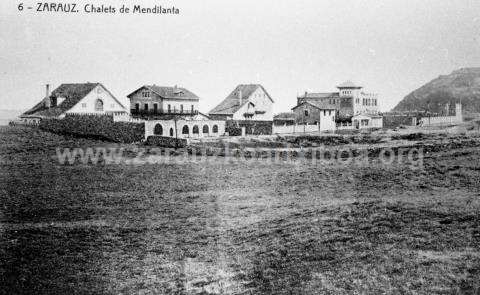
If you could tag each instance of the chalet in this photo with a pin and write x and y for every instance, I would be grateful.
(163, 102)
(350, 100)
(74, 98)
(353, 107)
(245, 102)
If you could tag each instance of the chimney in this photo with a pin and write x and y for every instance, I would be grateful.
(47, 96)
(239, 94)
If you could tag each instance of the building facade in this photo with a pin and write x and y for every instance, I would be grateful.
(184, 128)
(75, 98)
(350, 100)
(155, 102)
(245, 102)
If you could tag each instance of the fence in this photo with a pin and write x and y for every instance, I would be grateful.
(425, 121)
(296, 128)
(345, 126)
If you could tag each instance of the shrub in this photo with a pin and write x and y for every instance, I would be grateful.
(234, 127)
(164, 141)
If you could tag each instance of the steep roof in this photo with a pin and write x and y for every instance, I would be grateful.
(72, 92)
(348, 84)
(317, 104)
(168, 92)
(231, 103)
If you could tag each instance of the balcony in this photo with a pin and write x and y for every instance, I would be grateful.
(161, 113)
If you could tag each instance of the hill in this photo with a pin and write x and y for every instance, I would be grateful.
(461, 85)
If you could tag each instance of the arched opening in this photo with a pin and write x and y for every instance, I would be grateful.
(205, 129)
(195, 129)
(185, 130)
(99, 105)
(158, 130)
(171, 131)
(215, 129)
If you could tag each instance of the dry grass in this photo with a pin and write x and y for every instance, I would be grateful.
(243, 228)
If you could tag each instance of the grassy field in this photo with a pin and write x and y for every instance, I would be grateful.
(241, 228)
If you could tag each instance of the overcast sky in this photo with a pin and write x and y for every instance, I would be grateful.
(389, 47)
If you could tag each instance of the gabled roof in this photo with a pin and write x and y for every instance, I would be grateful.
(231, 103)
(317, 104)
(320, 95)
(168, 92)
(72, 92)
(348, 84)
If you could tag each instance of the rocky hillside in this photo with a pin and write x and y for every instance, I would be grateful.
(462, 84)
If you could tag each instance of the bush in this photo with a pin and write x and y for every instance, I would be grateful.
(164, 141)
(98, 127)
(234, 127)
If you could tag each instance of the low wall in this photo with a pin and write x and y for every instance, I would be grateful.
(94, 126)
(345, 126)
(185, 128)
(440, 120)
(165, 141)
(296, 128)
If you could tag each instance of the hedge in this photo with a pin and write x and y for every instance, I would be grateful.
(165, 141)
(234, 127)
(396, 121)
(99, 127)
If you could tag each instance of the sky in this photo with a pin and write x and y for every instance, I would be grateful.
(389, 47)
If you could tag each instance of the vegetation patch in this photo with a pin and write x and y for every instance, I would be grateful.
(96, 127)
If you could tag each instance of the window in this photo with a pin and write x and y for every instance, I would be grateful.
(324, 112)
(205, 129)
(146, 94)
(195, 129)
(171, 131)
(329, 112)
(305, 112)
(155, 107)
(84, 105)
(185, 129)
(181, 108)
(146, 107)
(192, 108)
(215, 129)
(137, 106)
(158, 130)
(169, 108)
(99, 105)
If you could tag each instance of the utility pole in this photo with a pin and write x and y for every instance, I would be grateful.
(176, 133)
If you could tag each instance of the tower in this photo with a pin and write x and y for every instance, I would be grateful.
(350, 100)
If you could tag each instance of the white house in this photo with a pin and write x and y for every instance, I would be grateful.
(157, 102)
(76, 98)
(245, 102)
